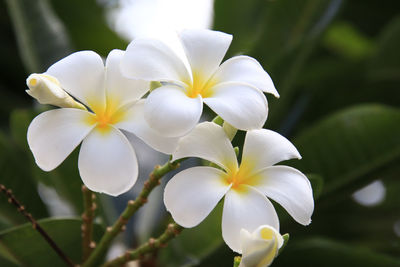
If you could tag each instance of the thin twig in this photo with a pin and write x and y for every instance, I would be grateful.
(35, 225)
(131, 208)
(87, 222)
(153, 244)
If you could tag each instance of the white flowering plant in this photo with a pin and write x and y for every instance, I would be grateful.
(242, 168)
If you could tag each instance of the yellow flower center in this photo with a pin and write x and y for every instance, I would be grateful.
(104, 118)
(200, 86)
(243, 176)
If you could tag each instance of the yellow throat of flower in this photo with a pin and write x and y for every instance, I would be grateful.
(200, 86)
(243, 176)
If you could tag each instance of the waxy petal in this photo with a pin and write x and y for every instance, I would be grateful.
(120, 89)
(170, 112)
(193, 193)
(81, 74)
(290, 188)
(205, 50)
(263, 148)
(247, 70)
(247, 209)
(107, 162)
(152, 60)
(208, 141)
(54, 134)
(135, 123)
(241, 105)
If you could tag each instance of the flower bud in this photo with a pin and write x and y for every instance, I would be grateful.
(260, 247)
(47, 90)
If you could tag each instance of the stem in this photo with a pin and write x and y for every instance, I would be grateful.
(153, 244)
(35, 225)
(236, 261)
(131, 208)
(87, 222)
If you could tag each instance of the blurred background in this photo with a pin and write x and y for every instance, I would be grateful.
(336, 65)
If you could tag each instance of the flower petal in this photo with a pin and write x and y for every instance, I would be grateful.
(290, 188)
(193, 193)
(82, 75)
(264, 148)
(54, 134)
(247, 209)
(107, 162)
(170, 112)
(205, 50)
(135, 123)
(152, 60)
(247, 70)
(241, 105)
(208, 141)
(119, 88)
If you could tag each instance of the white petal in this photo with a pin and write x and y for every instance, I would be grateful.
(170, 112)
(208, 141)
(54, 134)
(82, 75)
(107, 162)
(290, 188)
(241, 105)
(119, 88)
(247, 209)
(193, 193)
(264, 148)
(205, 49)
(152, 60)
(247, 70)
(135, 123)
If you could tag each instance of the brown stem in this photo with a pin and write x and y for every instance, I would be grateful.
(35, 225)
(153, 244)
(87, 222)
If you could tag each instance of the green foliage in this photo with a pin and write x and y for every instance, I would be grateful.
(26, 247)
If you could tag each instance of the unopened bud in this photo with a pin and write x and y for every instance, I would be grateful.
(47, 90)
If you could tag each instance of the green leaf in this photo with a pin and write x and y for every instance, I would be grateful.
(325, 252)
(28, 248)
(40, 34)
(194, 244)
(351, 148)
(385, 65)
(86, 25)
(15, 175)
(317, 183)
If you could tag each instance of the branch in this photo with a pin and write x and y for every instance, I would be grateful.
(35, 225)
(87, 222)
(153, 244)
(131, 208)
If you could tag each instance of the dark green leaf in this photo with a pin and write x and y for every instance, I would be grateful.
(351, 147)
(28, 247)
(325, 252)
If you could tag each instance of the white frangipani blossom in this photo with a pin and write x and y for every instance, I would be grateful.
(107, 161)
(193, 193)
(233, 90)
(260, 247)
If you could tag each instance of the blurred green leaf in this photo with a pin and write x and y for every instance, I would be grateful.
(347, 41)
(194, 244)
(386, 62)
(325, 252)
(20, 181)
(28, 248)
(317, 184)
(350, 148)
(86, 25)
(40, 34)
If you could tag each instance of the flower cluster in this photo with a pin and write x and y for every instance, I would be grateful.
(100, 102)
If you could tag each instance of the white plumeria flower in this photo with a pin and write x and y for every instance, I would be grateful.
(107, 162)
(261, 247)
(193, 193)
(233, 90)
